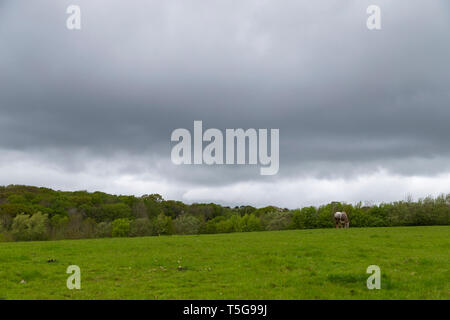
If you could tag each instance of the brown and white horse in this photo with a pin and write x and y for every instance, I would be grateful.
(341, 220)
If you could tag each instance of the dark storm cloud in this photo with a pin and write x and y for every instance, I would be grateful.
(346, 100)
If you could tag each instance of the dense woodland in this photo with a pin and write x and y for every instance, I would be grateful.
(32, 213)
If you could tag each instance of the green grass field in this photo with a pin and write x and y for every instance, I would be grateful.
(298, 264)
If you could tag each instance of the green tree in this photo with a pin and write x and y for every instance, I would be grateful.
(305, 218)
(280, 221)
(115, 211)
(58, 226)
(163, 225)
(140, 227)
(103, 230)
(39, 226)
(121, 227)
(250, 223)
(187, 224)
(26, 228)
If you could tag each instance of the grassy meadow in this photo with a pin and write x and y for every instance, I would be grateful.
(297, 264)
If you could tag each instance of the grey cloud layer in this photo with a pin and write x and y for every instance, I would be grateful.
(346, 100)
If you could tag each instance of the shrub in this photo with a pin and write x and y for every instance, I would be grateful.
(121, 228)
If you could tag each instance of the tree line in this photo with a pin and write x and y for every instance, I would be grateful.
(32, 213)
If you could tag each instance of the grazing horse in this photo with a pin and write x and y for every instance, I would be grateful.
(341, 220)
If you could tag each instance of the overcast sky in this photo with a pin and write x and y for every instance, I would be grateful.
(363, 115)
